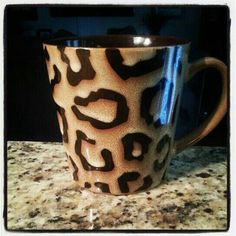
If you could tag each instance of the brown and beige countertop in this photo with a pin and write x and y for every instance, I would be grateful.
(42, 196)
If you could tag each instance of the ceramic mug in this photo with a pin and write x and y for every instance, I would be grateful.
(117, 101)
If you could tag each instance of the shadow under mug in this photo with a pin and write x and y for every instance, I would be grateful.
(117, 100)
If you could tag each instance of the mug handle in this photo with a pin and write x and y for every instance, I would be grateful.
(215, 117)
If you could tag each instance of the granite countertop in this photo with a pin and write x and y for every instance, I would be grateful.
(42, 196)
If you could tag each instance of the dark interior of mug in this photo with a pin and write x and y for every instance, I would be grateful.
(124, 41)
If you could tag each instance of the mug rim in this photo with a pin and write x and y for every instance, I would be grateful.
(117, 41)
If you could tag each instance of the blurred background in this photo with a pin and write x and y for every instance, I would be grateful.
(29, 110)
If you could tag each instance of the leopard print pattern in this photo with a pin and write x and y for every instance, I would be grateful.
(117, 112)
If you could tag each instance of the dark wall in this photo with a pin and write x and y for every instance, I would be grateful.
(30, 112)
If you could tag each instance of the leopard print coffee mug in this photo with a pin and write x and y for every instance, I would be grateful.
(117, 104)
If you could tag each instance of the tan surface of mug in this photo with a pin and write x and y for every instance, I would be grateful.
(117, 100)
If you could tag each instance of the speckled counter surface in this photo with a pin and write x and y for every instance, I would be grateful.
(42, 196)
